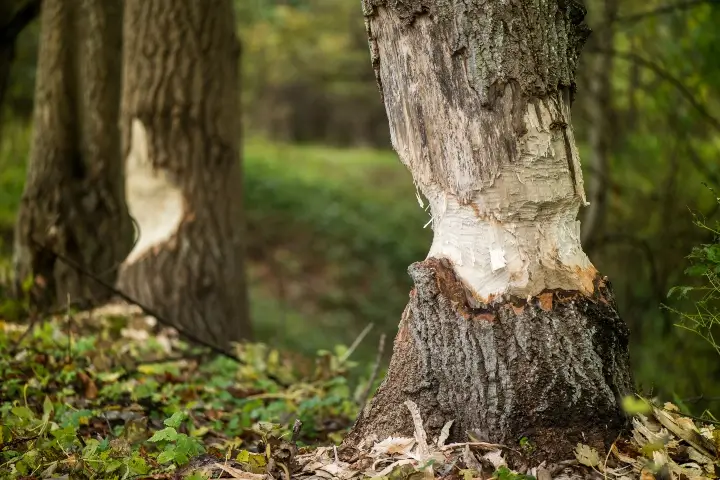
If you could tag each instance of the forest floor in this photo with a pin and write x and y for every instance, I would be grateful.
(110, 394)
(309, 209)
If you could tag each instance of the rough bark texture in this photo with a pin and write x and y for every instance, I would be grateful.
(551, 369)
(73, 197)
(180, 122)
(510, 331)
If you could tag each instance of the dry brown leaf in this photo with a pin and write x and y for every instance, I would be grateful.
(393, 445)
(444, 433)
(587, 455)
(495, 458)
(238, 474)
(91, 390)
(420, 436)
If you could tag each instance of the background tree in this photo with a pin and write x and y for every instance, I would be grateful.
(72, 203)
(510, 331)
(14, 19)
(181, 129)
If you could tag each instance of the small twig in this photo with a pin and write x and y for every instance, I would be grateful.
(13, 442)
(357, 341)
(699, 398)
(607, 457)
(296, 430)
(34, 318)
(374, 374)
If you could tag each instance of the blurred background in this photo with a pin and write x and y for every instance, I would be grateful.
(332, 215)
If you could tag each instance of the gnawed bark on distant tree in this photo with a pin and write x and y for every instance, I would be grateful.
(510, 331)
(181, 133)
(72, 203)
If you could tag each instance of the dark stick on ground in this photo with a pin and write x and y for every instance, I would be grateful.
(148, 311)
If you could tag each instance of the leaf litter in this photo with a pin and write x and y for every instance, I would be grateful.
(109, 394)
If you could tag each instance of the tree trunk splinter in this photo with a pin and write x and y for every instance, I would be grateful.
(510, 331)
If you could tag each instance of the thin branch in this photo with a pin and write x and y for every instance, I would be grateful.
(665, 75)
(147, 310)
(34, 317)
(357, 341)
(667, 9)
(374, 374)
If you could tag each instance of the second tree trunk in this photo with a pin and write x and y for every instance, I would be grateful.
(181, 129)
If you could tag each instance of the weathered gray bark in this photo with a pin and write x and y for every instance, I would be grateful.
(181, 130)
(510, 331)
(73, 198)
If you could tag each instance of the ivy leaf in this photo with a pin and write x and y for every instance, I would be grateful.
(112, 466)
(168, 434)
(176, 419)
(167, 455)
(23, 412)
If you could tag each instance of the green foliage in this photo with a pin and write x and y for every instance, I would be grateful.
(504, 473)
(705, 266)
(306, 73)
(635, 405)
(95, 399)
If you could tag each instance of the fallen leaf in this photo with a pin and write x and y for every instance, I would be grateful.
(587, 455)
(392, 445)
(91, 390)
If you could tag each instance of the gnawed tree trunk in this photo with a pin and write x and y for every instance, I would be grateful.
(180, 121)
(73, 198)
(510, 332)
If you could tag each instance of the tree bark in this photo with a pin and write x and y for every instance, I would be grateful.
(72, 203)
(181, 129)
(510, 331)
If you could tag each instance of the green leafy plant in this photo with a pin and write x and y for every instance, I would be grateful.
(93, 397)
(176, 447)
(504, 473)
(704, 259)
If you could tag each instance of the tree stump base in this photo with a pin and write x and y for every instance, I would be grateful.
(551, 368)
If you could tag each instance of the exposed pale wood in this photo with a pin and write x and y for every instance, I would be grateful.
(181, 133)
(509, 331)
